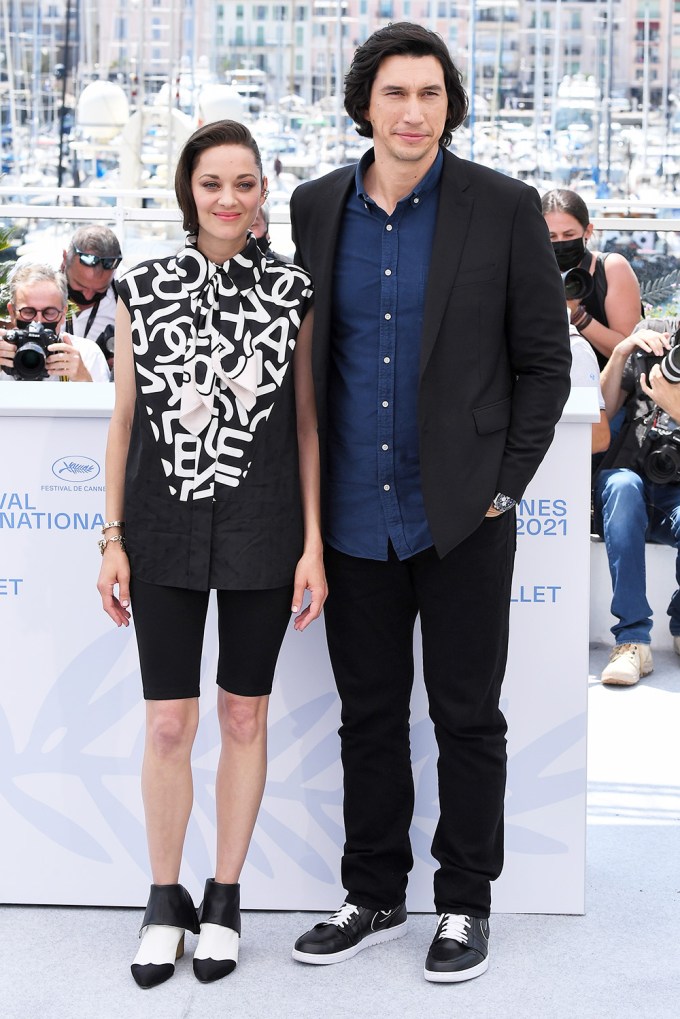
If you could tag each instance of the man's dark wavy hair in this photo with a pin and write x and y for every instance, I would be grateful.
(402, 39)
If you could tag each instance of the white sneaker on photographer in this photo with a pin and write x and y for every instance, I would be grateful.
(628, 663)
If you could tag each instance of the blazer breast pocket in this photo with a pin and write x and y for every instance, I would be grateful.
(478, 274)
(493, 416)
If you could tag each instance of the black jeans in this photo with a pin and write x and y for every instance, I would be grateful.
(463, 601)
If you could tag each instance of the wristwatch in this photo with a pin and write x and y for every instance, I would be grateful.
(503, 503)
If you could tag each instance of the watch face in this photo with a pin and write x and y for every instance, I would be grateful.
(503, 502)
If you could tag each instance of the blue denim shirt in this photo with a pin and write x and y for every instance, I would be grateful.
(380, 277)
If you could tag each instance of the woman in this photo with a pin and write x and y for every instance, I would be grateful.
(212, 479)
(37, 298)
(612, 310)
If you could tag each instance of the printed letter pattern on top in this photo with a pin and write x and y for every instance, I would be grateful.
(209, 501)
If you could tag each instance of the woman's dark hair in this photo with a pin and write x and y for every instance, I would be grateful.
(563, 200)
(402, 39)
(221, 132)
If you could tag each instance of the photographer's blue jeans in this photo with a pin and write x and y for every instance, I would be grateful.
(634, 510)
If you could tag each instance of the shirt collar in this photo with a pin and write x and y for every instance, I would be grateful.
(244, 270)
(428, 183)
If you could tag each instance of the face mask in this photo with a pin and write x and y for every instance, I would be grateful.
(79, 298)
(569, 253)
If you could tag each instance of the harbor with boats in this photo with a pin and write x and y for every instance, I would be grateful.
(98, 138)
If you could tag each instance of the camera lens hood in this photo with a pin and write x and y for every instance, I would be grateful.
(578, 284)
(670, 365)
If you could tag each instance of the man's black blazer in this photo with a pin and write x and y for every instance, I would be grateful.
(495, 354)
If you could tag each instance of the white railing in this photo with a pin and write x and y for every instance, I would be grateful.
(126, 211)
(122, 207)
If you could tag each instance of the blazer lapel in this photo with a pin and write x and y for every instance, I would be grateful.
(322, 229)
(319, 227)
(453, 221)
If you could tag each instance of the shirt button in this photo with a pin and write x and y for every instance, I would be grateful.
(385, 403)
(389, 226)
(388, 317)
(388, 272)
(386, 487)
(416, 200)
(384, 446)
(386, 360)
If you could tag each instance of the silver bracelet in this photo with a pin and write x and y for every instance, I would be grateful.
(103, 542)
(112, 523)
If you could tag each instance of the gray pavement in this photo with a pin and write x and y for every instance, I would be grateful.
(619, 960)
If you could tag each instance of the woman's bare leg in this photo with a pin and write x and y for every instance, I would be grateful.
(167, 786)
(241, 775)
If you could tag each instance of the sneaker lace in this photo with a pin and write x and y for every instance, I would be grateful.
(454, 926)
(343, 915)
(621, 650)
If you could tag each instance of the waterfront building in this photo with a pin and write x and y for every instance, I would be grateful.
(522, 48)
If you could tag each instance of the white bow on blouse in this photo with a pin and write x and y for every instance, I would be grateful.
(219, 349)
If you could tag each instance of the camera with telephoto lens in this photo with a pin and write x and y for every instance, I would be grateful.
(32, 353)
(659, 457)
(578, 284)
(670, 363)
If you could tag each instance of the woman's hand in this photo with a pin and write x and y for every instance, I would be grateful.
(115, 570)
(309, 576)
(65, 359)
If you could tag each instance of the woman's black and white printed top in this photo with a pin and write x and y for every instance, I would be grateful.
(212, 496)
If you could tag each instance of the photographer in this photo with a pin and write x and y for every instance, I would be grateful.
(89, 264)
(612, 308)
(637, 493)
(35, 348)
(260, 230)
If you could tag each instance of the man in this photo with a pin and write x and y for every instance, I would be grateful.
(90, 262)
(442, 359)
(260, 230)
(637, 496)
(38, 297)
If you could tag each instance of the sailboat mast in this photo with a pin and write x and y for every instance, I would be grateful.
(64, 84)
(9, 56)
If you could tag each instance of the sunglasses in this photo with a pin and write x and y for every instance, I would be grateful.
(50, 314)
(105, 261)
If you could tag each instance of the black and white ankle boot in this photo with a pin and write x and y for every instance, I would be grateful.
(216, 954)
(169, 912)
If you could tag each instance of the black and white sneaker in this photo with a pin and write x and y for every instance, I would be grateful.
(460, 949)
(349, 931)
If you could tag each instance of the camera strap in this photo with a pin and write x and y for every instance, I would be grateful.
(91, 317)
